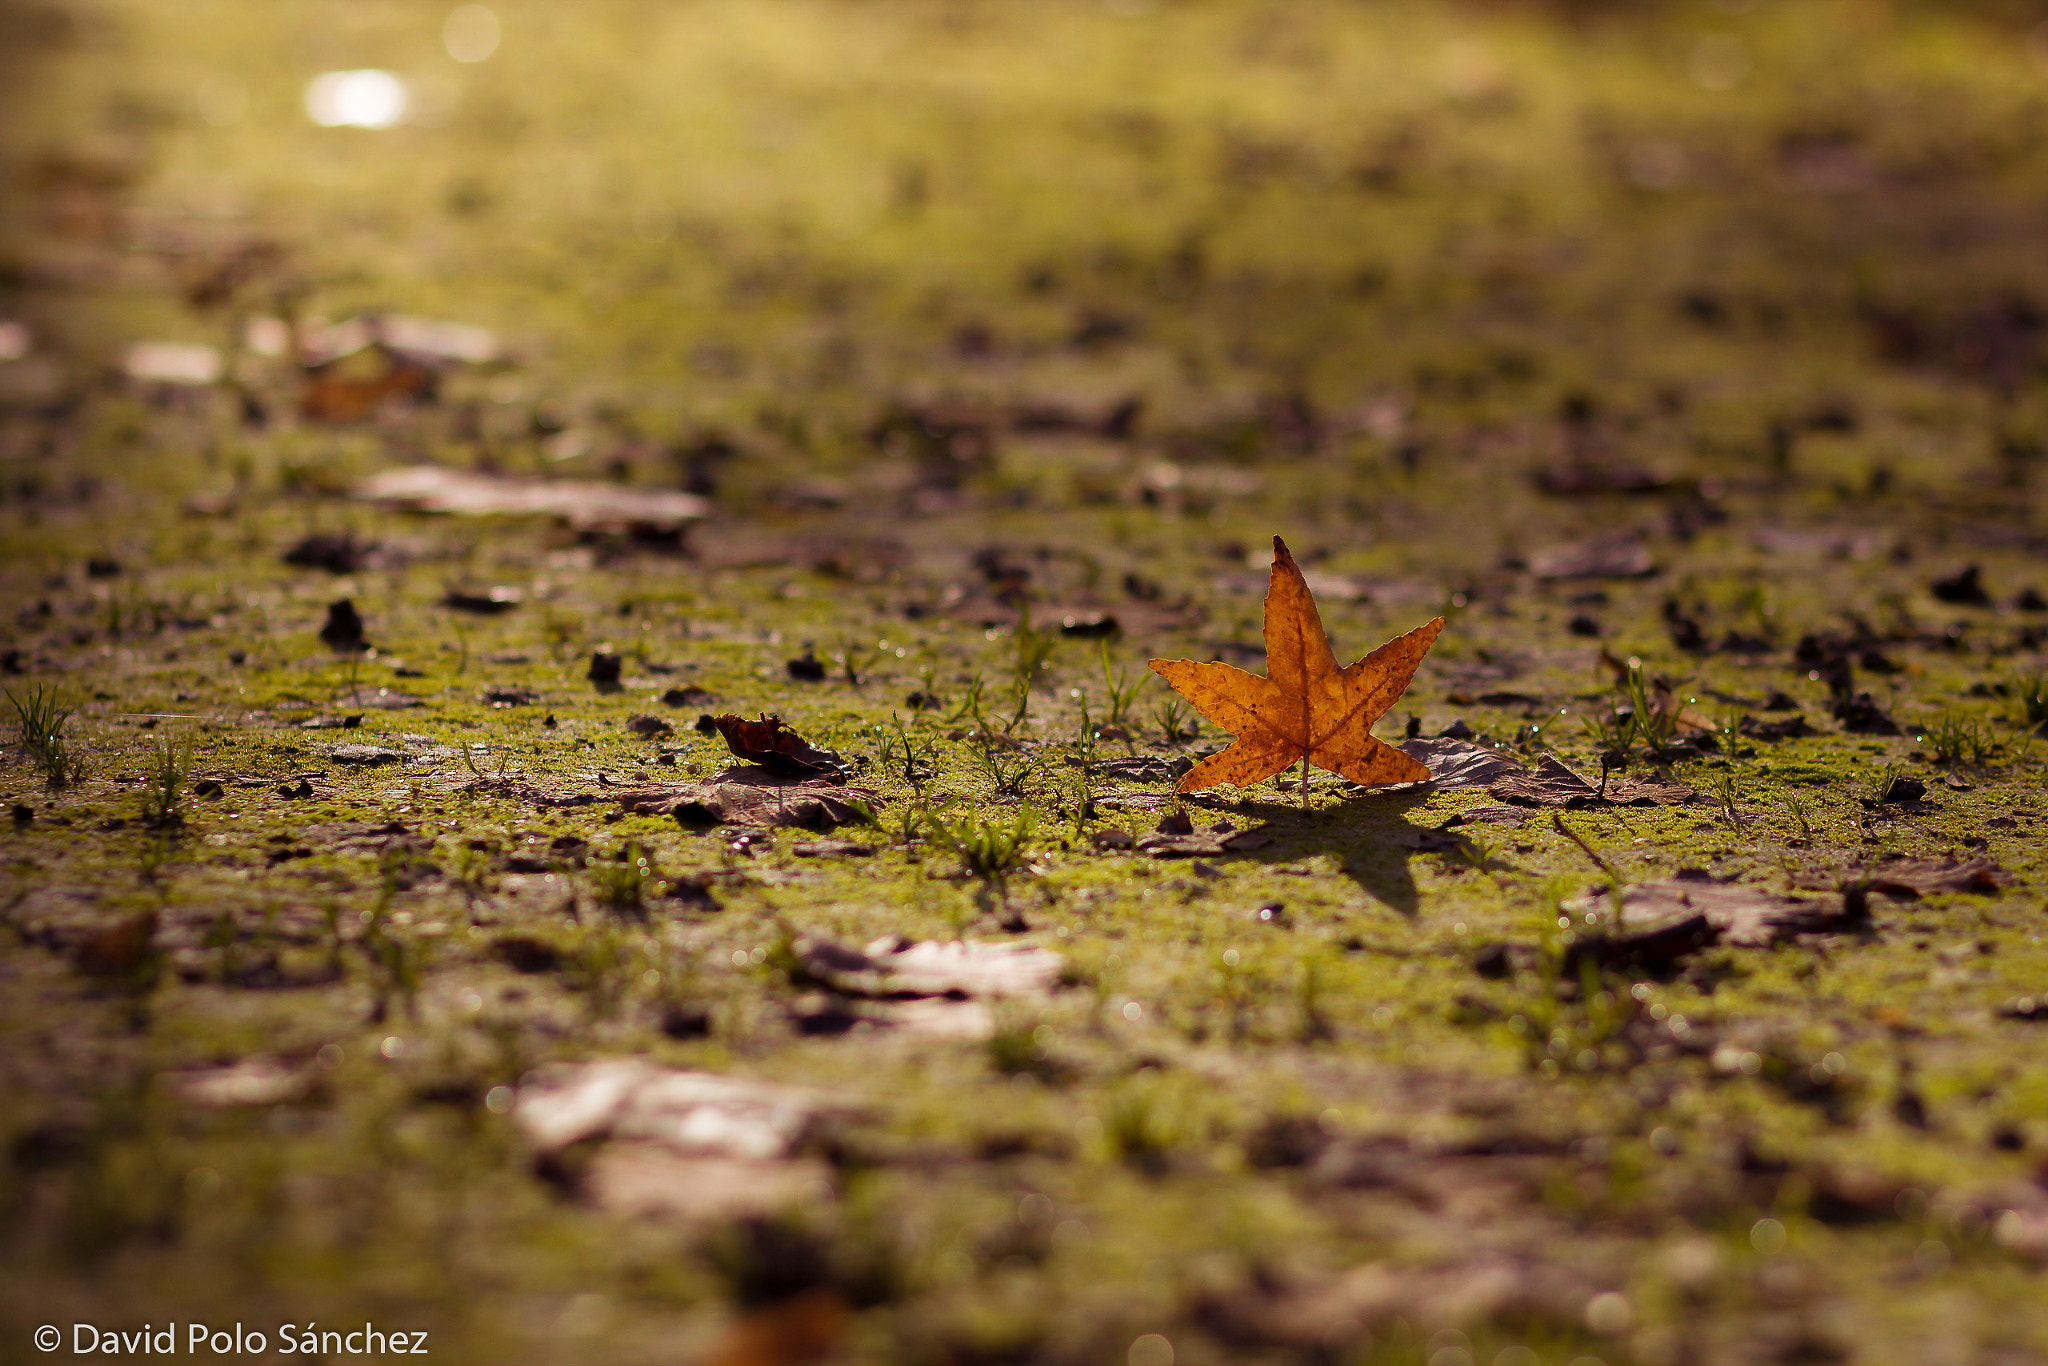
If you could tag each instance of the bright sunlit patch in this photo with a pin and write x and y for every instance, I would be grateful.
(356, 99)
(470, 33)
(267, 336)
(172, 363)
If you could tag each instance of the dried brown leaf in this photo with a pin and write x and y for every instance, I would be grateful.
(773, 745)
(1550, 783)
(755, 796)
(1662, 921)
(1460, 763)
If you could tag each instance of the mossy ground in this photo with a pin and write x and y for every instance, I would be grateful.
(1368, 269)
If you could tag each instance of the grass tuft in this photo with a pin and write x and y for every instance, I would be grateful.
(40, 718)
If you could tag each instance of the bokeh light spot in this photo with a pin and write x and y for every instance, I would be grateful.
(470, 33)
(356, 99)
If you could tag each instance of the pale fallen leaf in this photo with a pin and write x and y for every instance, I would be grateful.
(433, 488)
(180, 364)
(252, 1081)
(895, 967)
(700, 1113)
(654, 1180)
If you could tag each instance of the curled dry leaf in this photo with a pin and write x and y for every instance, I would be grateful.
(775, 747)
(1460, 763)
(1305, 706)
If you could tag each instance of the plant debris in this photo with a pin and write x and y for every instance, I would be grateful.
(252, 1081)
(638, 1139)
(584, 506)
(1606, 557)
(1143, 768)
(343, 629)
(896, 967)
(774, 746)
(365, 754)
(758, 796)
(484, 602)
(1550, 783)
(1910, 879)
(1665, 921)
(1861, 716)
(336, 552)
(1454, 763)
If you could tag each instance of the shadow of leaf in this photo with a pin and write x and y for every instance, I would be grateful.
(1369, 835)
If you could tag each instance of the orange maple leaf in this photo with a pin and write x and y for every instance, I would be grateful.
(1305, 707)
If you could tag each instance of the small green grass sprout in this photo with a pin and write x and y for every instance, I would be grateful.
(163, 795)
(1176, 723)
(2030, 690)
(620, 883)
(1123, 689)
(40, 717)
(1958, 738)
(990, 850)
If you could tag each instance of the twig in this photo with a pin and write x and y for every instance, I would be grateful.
(1602, 864)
